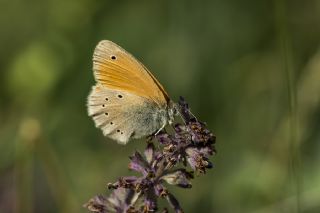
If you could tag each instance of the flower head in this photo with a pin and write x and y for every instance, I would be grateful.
(191, 144)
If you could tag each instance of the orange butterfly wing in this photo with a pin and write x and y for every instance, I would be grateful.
(117, 69)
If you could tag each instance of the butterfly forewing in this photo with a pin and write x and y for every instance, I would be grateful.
(117, 69)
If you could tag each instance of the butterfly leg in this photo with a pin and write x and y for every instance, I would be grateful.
(149, 139)
(160, 130)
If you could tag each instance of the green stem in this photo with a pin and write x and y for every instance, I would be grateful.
(290, 81)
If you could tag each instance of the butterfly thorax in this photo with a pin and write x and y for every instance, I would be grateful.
(172, 111)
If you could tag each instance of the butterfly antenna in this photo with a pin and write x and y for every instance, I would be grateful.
(182, 118)
(192, 114)
(184, 121)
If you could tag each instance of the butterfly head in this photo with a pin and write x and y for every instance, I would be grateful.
(173, 110)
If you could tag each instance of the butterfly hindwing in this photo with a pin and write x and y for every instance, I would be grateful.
(122, 115)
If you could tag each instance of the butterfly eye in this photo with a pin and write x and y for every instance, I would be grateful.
(107, 99)
(106, 113)
(120, 96)
(111, 123)
(118, 130)
(113, 57)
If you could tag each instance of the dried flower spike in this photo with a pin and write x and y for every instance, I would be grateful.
(191, 144)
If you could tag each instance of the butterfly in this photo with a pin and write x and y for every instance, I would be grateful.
(127, 102)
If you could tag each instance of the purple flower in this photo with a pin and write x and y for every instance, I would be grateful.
(191, 144)
(179, 177)
(120, 201)
(198, 159)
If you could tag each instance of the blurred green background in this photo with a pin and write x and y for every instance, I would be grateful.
(250, 69)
